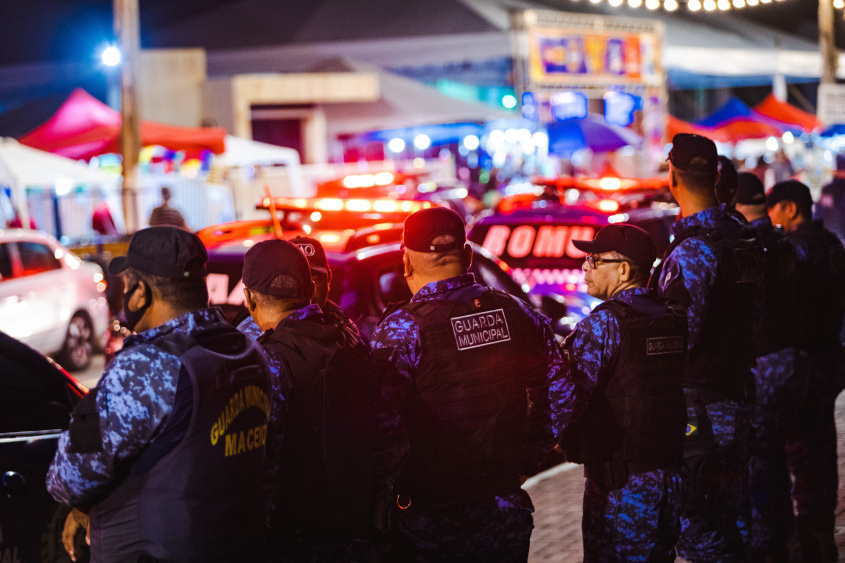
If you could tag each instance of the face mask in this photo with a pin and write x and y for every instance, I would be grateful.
(132, 317)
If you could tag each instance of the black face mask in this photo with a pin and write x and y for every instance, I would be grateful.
(132, 317)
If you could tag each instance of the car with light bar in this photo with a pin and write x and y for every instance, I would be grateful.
(532, 230)
(36, 399)
(50, 299)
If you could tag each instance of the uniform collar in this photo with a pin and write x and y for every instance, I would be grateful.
(706, 218)
(306, 312)
(763, 221)
(448, 284)
(627, 295)
(186, 324)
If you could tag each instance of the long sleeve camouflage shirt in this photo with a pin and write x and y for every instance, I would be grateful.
(135, 397)
(551, 397)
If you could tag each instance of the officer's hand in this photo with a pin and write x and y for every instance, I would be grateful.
(75, 521)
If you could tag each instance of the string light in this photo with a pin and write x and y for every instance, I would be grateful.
(635, 3)
(709, 5)
(694, 5)
(724, 5)
(753, 2)
(739, 4)
(652, 4)
(838, 4)
(670, 5)
(615, 3)
(697, 5)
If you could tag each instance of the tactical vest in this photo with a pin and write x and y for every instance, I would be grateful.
(467, 410)
(821, 288)
(775, 328)
(638, 414)
(720, 363)
(325, 491)
(201, 500)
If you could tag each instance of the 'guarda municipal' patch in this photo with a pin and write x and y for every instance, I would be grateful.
(481, 329)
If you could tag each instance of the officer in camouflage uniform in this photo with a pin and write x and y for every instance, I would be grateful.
(781, 378)
(319, 474)
(713, 270)
(478, 376)
(166, 453)
(811, 444)
(629, 353)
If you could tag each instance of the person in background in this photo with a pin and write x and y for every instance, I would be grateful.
(166, 215)
(811, 443)
(726, 185)
(321, 275)
(165, 454)
(630, 353)
(478, 376)
(831, 205)
(781, 376)
(712, 269)
(320, 473)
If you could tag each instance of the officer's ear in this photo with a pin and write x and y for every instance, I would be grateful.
(248, 301)
(408, 267)
(791, 208)
(624, 271)
(467, 256)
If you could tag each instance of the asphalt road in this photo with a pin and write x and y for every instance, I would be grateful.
(91, 376)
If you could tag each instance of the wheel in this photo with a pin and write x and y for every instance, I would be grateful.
(78, 349)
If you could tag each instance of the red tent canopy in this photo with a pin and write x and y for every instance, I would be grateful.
(84, 127)
(787, 113)
(675, 126)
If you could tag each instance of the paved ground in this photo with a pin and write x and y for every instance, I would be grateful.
(557, 495)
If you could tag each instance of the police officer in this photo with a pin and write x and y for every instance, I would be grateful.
(321, 274)
(479, 375)
(780, 375)
(167, 451)
(712, 269)
(811, 446)
(320, 473)
(629, 353)
(727, 184)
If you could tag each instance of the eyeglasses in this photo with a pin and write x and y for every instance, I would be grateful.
(592, 261)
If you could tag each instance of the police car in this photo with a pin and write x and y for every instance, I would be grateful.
(532, 231)
(367, 275)
(36, 399)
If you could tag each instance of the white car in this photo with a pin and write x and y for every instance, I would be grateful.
(50, 299)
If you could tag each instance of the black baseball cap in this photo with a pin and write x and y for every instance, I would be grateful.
(790, 190)
(169, 252)
(268, 261)
(426, 225)
(628, 240)
(749, 189)
(314, 252)
(694, 154)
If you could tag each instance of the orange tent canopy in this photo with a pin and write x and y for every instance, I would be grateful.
(675, 126)
(787, 113)
(84, 127)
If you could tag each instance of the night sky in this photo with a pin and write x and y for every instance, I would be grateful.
(44, 30)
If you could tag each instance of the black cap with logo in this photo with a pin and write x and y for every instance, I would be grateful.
(422, 227)
(632, 242)
(313, 251)
(278, 268)
(169, 252)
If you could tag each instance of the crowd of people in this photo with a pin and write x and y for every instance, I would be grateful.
(693, 396)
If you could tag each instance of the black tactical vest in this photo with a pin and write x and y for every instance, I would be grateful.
(821, 294)
(200, 499)
(638, 414)
(721, 361)
(467, 408)
(326, 488)
(775, 327)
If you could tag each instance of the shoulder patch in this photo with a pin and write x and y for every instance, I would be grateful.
(480, 329)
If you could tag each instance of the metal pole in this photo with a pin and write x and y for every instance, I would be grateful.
(127, 30)
(827, 43)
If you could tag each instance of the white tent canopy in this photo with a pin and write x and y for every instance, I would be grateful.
(23, 167)
(246, 152)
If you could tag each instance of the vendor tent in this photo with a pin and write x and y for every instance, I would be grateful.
(735, 121)
(84, 127)
(23, 167)
(675, 126)
(786, 113)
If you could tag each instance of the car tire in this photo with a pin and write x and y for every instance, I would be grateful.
(79, 344)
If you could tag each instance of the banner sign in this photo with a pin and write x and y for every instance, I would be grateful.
(560, 56)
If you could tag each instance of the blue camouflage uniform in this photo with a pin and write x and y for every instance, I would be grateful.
(443, 529)
(811, 442)
(135, 397)
(781, 378)
(640, 520)
(714, 522)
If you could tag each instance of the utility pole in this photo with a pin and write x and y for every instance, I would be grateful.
(127, 30)
(827, 42)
